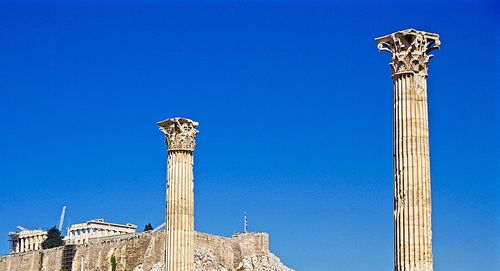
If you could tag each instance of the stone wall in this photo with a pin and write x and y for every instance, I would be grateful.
(49, 259)
(133, 250)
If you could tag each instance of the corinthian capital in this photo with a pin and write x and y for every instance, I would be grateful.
(180, 133)
(410, 50)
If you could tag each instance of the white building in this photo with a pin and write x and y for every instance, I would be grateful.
(81, 233)
(27, 240)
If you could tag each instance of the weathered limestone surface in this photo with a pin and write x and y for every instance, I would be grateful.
(180, 136)
(49, 259)
(267, 262)
(412, 190)
(146, 252)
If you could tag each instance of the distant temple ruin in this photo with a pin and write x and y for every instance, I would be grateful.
(29, 240)
(81, 233)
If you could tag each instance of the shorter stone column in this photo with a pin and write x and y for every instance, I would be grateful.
(40, 241)
(16, 245)
(180, 136)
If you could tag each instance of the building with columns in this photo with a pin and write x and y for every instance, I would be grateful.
(27, 240)
(180, 134)
(82, 232)
(410, 54)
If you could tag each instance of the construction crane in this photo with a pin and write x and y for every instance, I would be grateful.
(61, 219)
(22, 228)
(159, 227)
(245, 222)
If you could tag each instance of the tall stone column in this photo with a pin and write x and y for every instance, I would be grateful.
(410, 51)
(180, 137)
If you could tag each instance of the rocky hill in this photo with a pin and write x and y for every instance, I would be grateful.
(146, 252)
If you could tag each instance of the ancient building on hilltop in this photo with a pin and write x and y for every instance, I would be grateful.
(27, 240)
(146, 252)
(96, 228)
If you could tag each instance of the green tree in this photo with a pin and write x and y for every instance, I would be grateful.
(54, 239)
(113, 263)
(148, 227)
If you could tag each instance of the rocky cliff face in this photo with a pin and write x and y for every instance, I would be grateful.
(268, 262)
(205, 260)
(146, 252)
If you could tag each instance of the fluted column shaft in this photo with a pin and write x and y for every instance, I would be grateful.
(412, 189)
(180, 211)
(17, 245)
(412, 194)
(180, 136)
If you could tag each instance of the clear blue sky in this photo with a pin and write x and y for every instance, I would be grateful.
(295, 109)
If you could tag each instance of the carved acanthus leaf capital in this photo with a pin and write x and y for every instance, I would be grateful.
(180, 133)
(410, 50)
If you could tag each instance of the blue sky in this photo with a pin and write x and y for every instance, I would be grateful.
(295, 109)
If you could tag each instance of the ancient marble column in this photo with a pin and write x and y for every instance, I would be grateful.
(18, 245)
(410, 50)
(180, 136)
(23, 247)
